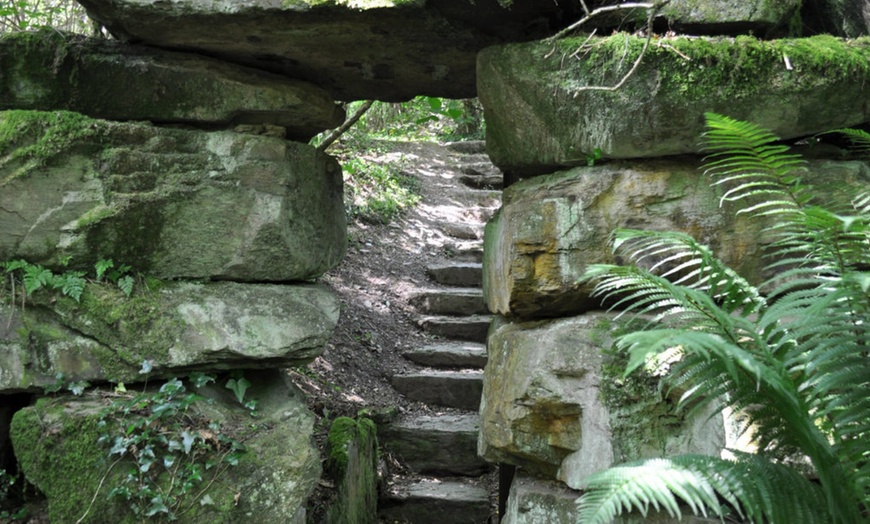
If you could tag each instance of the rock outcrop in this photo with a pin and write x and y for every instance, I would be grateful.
(542, 116)
(555, 402)
(169, 202)
(50, 71)
(551, 228)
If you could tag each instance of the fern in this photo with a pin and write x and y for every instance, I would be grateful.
(795, 363)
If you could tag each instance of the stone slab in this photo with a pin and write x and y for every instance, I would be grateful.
(539, 118)
(449, 301)
(429, 502)
(449, 355)
(453, 389)
(463, 274)
(438, 445)
(101, 78)
(472, 328)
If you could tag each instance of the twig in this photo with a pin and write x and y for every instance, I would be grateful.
(97, 492)
(583, 45)
(634, 67)
(653, 7)
(332, 137)
(675, 50)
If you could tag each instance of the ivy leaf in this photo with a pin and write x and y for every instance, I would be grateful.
(239, 387)
(77, 388)
(200, 379)
(188, 439)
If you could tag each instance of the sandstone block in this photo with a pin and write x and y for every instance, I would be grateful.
(556, 405)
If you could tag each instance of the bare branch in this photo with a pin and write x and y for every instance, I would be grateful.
(653, 6)
(335, 134)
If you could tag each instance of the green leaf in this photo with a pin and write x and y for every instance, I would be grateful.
(102, 266)
(126, 285)
(239, 387)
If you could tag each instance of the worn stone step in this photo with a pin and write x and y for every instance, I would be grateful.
(436, 445)
(472, 328)
(481, 181)
(467, 147)
(449, 355)
(435, 502)
(463, 274)
(465, 251)
(452, 389)
(484, 198)
(462, 230)
(450, 301)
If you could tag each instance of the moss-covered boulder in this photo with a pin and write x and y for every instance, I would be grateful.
(176, 327)
(540, 116)
(551, 228)
(730, 16)
(557, 405)
(57, 444)
(170, 202)
(106, 79)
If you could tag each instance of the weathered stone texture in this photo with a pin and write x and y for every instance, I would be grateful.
(105, 79)
(730, 15)
(539, 118)
(172, 203)
(56, 443)
(555, 405)
(389, 50)
(551, 228)
(177, 328)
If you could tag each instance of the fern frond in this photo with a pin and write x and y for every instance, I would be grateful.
(746, 156)
(859, 139)
(756, 490)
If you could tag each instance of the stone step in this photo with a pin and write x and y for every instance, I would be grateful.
(472, 328)
(465, 251)
(449, 355)
(452, 389)
(463, 274)
(435, 502)
(467, 197)
(450, 301)
(462, 230)
(467, 147)
(492, 181)
(436, 445)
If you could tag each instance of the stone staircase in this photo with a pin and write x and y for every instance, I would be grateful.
(447, 482)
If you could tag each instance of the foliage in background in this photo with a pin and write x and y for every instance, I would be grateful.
(28, 15)
(377, 192)
(794, 363)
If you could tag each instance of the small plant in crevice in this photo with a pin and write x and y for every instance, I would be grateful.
(25, 279)
(8, 487)
(172, 453)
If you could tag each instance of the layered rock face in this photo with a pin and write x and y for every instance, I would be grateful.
(584, 162)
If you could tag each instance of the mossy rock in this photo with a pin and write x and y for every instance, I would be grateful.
(542, 116)
(353, 464)
(57, 445)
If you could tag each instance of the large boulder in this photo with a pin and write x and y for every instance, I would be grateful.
(539, 117)
(384, 49)
(57, 443)
(105, 79)
(175, 327)
(555, 404)
(173, 203)
(551, 228)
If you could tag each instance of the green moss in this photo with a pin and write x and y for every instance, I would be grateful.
(353, 463)
(61, 456)
(135, 327)
(733, 67)
(34, 138)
